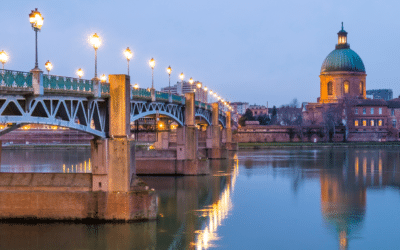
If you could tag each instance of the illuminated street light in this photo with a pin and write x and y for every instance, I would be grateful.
(169, 70)
(152, 64)
(199, 85)
(205, 89)
(128, 54)
(182, 76)
(95, 42)
(48, 66)
(136, 86)
(79, 73)
(103, 78)
(191, 80)
(36, 20)
(3, 58)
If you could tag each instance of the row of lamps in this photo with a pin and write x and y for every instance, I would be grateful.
(36, 20)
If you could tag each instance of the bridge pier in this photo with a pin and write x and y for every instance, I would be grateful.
(229, 144)
(123, 196)
(217, 151)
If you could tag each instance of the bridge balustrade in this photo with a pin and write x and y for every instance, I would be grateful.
(16, 79)
(143, 94)
(162, 96)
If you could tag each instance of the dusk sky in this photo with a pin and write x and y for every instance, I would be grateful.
(252, 51)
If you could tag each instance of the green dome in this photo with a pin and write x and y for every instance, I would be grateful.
(343, 60)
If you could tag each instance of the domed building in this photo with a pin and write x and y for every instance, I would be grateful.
(342, 73)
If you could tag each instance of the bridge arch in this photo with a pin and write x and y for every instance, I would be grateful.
(78, 113)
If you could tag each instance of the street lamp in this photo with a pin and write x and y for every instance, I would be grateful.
(128, 54)
(136, 86)
(103, 78)
(36, 20)
(199, 85)
(48, 66)
(95, 42)
(79, 73)
(191, 80)
(152, 63)
(3, 58)
(169, 70)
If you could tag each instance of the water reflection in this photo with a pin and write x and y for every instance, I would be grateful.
(46, 160)
(216, 213)
(345, 175)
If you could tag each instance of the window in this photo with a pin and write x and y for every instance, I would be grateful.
(361, 88)
(356, 123)
(372, 123)
(372, 111)
(392, 112)
(356, 111)
(346, 87)
(364, 111)
(330, 88)
(394, 123)
(380, 123)
(380, 111)
(364, 123)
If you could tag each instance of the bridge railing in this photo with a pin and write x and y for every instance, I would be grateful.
(178, 99)
(162, 96)
(143, 94)
(15, 79)
(53, 82)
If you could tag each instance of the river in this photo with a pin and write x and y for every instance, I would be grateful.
(322, 198)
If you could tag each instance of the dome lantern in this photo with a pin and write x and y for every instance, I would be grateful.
(342, 39)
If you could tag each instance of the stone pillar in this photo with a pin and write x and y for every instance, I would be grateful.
(186, 135)
(120, 170)
(228, 127)
(230, 145)
(217, 152)
(37, 81)
(187, 142)
(162, 141)
(99, 154)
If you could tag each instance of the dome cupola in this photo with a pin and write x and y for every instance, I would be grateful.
(342, 58)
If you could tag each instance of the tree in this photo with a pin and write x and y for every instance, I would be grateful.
(248, 116)
(290, 114)
(273, 115)
(263, 119)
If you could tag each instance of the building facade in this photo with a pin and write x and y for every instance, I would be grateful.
(239, 107)
(344, 102)
(385, 94)
(183, 87)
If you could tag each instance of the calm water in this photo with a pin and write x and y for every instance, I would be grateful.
(269, 199)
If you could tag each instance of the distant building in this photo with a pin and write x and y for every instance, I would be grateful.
(259, 110)
(180, 88)
(385, 94)
(240, 107)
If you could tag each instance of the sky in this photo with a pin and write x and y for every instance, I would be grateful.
(254, 51)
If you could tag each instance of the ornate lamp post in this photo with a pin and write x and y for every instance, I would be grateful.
(169, 70)
(36, 20)
(152, 63)
(79, 73)
(128, 54)
(3, 58)
(48, 66)
(95, 42)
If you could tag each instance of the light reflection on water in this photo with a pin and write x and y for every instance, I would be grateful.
(340, 198)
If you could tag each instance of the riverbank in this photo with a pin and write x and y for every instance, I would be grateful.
(272, 145)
